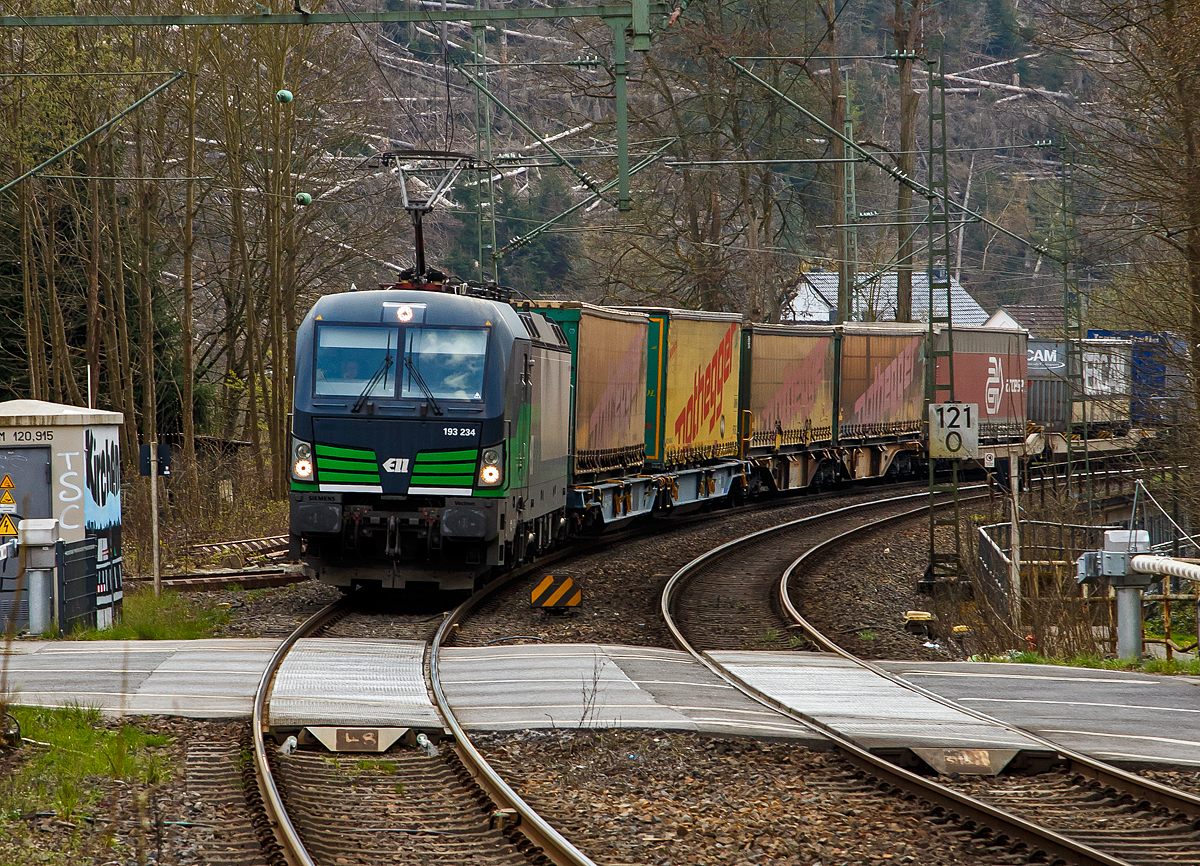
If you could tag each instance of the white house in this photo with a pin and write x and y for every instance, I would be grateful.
(815, 300)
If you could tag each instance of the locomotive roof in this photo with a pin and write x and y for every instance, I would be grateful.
(441, 307)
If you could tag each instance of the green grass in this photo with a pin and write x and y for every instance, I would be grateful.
(867, 634)
(171, 617)
(69, 774)
(1150, 666)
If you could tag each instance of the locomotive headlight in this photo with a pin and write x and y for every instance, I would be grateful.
(302, 463)
(491, 463)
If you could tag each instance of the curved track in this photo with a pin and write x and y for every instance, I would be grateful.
(1093, 813)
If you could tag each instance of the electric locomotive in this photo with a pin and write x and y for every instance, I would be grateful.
(430, 437)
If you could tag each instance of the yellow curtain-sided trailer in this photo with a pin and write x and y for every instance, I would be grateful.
(693, 371)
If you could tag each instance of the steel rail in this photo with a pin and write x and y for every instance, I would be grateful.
(1147, 789)
(552, 844)
(1039, 838)
(549, 841)
(556, 847)
(285, 832)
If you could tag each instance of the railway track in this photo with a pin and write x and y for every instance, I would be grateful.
(733, 607)
(334, 810)
(1088, 812)
(282, 574)
(270, 544)
(359, 810)
(438, 804)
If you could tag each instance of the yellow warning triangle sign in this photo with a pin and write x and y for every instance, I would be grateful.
(6, 525)
(7, 499)
(7, 484)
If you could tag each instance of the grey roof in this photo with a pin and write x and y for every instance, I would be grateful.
(1041, 320)
(816, 298)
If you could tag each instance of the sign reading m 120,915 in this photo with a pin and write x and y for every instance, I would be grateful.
(954, 430)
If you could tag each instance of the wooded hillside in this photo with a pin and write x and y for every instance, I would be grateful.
(163, 264)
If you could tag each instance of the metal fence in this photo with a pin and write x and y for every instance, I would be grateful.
(1048, 554)
(76, 575)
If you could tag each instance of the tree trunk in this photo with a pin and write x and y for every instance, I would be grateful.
(121, 314)
(188, 397)
(837, 119)
(94, 322)
(35, 344)
(145, 294)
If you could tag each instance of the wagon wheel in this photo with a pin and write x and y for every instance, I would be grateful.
(10, 732)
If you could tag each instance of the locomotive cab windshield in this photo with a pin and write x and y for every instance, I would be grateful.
(367, 361)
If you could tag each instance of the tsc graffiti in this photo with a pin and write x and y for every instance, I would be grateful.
(705, 402)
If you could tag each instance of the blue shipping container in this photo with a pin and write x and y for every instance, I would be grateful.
(1159, 374)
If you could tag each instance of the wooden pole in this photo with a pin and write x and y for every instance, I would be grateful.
(154, 517)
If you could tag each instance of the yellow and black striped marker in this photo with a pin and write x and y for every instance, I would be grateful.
(555, 592)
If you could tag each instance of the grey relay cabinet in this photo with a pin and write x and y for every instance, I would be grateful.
(64, 462)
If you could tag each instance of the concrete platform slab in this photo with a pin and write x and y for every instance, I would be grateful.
(325, 681)
(200, 679)
(1127, 717)
(593, 686)
(872, 711)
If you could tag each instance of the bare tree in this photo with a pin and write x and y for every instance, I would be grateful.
(1136, 142)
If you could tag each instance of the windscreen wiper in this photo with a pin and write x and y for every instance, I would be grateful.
(412, 369)
(380, 373)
